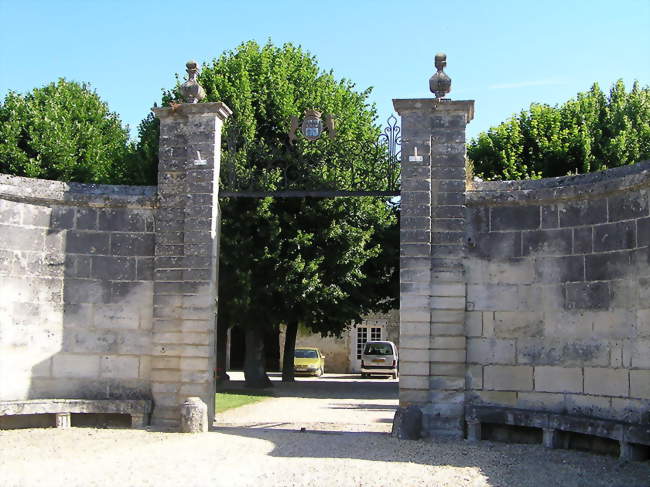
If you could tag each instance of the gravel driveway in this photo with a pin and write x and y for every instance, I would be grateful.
(273, 452)
(333, 402)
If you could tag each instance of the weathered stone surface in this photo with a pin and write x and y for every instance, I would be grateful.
(627, 206)
(587, 212)
(508, 378)
(407, 423)
(65, 282)
(606, 382)
(547, 242)
(614, 236)
(490, 351)
(558, 379)
(610, 265)
(62, 408)
(194, 416)
(515, 218)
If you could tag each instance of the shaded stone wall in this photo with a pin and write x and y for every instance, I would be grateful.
(76, 292)
(558, 293)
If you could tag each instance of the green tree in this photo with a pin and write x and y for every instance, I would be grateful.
(319, 262)
(322, 263)
(592, 132)
(63, 131)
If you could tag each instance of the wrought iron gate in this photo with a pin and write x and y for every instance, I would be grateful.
(327, 168)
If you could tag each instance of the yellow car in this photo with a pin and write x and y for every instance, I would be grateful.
(310, 361)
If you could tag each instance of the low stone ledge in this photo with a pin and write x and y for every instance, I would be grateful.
(627, 434)
(138, 409)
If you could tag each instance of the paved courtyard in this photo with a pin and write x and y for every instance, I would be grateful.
(344, 444)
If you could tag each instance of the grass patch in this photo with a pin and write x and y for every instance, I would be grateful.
(225, 400)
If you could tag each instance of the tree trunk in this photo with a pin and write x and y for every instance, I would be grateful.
(289, 348)
(222, 351)
(254, 370)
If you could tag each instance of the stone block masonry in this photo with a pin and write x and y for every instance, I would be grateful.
(107, 292)
(76, 292)
(526, 294)
(432, 285)
(185, 263)
(557, 278)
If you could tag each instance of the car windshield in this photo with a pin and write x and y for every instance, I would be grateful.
(300, 353)
(378, 349)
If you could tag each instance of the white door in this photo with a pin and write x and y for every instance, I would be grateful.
(367, 330)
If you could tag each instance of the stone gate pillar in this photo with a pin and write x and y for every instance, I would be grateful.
(432, 247)
(185, 264)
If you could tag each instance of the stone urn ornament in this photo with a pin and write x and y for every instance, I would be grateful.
(440, 83)
(191, 90)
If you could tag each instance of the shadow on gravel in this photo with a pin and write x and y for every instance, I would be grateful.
(502, 464)
(365, 407)
(325, 388)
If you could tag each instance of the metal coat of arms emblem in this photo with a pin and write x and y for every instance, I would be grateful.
(312, 126)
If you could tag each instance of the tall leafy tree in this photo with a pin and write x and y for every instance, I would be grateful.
(319, 262)
(592, 132)
(63, 131)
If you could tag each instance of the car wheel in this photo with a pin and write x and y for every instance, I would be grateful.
(319, 372)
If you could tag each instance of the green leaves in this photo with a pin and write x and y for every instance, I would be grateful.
(323, 262)
(62, 131)
(592, 132)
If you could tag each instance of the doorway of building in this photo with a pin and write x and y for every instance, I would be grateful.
(368, 330)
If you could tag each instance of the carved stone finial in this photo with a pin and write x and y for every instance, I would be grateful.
(191, 90)
(440, 83)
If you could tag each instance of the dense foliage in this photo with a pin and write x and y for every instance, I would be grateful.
(592, 132)
(322, 263)
(64, 131)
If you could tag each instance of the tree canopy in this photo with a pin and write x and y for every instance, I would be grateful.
(592, 132)
(323, 263)
(319, 262)
(64, 131)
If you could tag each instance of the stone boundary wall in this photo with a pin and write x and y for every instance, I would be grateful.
(558, 293)
(76, 290)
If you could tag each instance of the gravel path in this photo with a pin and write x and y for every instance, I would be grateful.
(273, 451)
(265, 457)
(332, 402)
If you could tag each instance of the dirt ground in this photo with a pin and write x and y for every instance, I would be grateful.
(344, 444)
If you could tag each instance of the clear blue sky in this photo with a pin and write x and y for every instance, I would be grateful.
(503, 54)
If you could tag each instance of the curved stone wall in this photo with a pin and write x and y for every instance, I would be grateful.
(558, 293)
(76, 292)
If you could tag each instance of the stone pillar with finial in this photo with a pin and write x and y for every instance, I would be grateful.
(432, 282)
(186, 252)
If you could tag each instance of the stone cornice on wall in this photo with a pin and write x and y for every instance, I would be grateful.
(184, 109)
(582, 186)
(404, 105)
(42, 191)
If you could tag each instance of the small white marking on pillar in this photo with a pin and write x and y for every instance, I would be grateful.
(198, 161)
(415, 157)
